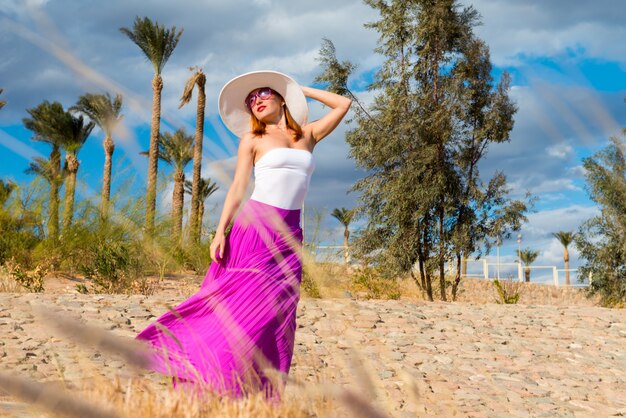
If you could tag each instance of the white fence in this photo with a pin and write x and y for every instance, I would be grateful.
(327, 253)
(481, 268)
(551, 274)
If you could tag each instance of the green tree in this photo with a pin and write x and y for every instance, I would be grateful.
(344, 216)
(422, 139)
(46, 122)
(602, 239)
(565, 238)
(48, 170)
(176, 150)
(75, 133)
(528, 257)
(18, 236)
(197, 79)
(157, 43)
(6, 188)
(207, 188)
(6, 220)
(105, 112)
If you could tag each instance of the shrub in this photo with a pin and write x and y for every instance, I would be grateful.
(111, 266)
(17, 239)
(33, 281)
(309, 285)
(368, 282)
(508, 292)
(194, 257)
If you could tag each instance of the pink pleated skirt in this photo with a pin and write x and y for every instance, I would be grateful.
(236, 334)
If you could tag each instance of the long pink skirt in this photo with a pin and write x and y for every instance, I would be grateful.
(236, 334)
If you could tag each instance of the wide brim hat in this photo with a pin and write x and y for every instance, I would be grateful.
(236, 115)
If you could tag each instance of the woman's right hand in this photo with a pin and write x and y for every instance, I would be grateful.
(217, 247)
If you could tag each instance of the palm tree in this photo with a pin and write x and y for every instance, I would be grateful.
(528, 257)
(157, 43)
(48, 169)
(565, 238)
(105, 112)
(2, 102)
(46, 122)
(75, 136)
(198, 78)
(176, 150)
(206, 188)
(344, 216)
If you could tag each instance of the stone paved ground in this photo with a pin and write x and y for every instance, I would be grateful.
(483, 360)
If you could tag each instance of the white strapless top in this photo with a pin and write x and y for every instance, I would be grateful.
(282, 176)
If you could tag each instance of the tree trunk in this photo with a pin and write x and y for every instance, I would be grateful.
(197, 162)
(464, 266)
(527, 273)
(109, 147)
(153, 155)
(200, 218)
(70, 189)
(420, 258)
(55, 185)
(177, 205)
(442, 272)
(429, 287)
(566, 259)
(346, 248)
(457, 278)
(426, 256)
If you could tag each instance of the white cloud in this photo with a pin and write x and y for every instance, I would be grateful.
(537, 28)
(20, 8)
(577, 171)
(561, 219)
(562, 151)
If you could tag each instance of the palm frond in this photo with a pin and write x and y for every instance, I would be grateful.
(343, 215)
(156, 42)
(528, 256)
(176, 149)
(100, 108)
(76, 134)
(564, 237)
(207, 187)
(47, 122)
(45, 169)
(198, 78)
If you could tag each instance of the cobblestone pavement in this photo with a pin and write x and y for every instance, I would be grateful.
(483, 360)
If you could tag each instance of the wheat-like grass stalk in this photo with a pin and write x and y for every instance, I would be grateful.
(131, 351)
(52, 399)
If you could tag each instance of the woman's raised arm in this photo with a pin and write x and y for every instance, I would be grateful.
(339, 107)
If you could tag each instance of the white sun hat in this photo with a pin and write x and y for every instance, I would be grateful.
(236, 115)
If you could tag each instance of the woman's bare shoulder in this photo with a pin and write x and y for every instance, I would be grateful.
(247, 143)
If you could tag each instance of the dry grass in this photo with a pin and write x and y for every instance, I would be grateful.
(132, 393)
(8, 283)
(338, 281)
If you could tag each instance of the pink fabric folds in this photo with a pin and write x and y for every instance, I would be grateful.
(242, 321)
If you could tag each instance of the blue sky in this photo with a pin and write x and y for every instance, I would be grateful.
(566, 58)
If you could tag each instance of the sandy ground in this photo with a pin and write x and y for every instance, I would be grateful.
(566, 358)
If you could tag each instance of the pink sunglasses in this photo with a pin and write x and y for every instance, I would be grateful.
(263, 94)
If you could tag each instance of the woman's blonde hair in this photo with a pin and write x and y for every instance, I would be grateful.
(258, 128)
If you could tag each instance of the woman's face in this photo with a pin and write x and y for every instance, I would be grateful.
(264, 103)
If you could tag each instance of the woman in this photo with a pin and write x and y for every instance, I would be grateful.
(236, 334)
